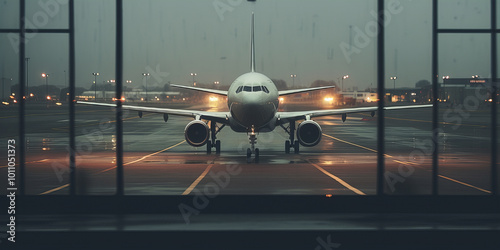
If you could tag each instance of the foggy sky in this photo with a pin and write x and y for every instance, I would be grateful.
(171, 39)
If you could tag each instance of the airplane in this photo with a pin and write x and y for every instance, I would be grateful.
(253, 101)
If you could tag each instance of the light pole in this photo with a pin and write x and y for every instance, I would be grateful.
(344, 77)
(124, 92)
(293, 80)
(27, 75)
(46, 76)
(193, 75)
(146, 75)
(95, 74)
(393, 78)
(444, 86)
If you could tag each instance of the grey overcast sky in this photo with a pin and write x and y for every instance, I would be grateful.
(318, 39)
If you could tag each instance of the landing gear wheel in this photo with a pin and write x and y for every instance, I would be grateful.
(217, 146)
(256, 155)
(209, 147)
(287, 147)
(296, 147)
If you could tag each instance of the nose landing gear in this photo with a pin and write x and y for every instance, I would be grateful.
(252, 150)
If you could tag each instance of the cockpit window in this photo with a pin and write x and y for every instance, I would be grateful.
(265, 89)
(247, 89)
(257, 88)
(238, 90)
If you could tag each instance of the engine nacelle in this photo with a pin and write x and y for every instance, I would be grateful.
(197, 133)
(309, 133)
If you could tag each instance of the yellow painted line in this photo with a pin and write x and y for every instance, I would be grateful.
(43, 114)
(128, 163)
(195, 183)
(28, 162)
(426, 121)
(411, 163)
(55, 189)
(345, 184)
(144, 157)
(465, 184)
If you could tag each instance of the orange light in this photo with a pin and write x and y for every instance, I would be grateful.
(48, 97)
(31, 95)
(44, 75)
(15, 101)
(328, 195)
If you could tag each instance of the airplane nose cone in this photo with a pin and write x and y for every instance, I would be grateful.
(252, 112)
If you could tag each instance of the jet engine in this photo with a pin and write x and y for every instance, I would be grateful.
(309, 133)
(197, 133)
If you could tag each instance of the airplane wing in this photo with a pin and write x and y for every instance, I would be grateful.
(295, 91)
(213, 91)
(300, 115)
(219, 117)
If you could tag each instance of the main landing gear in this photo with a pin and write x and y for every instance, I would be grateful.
(252, 150)
(291, 143)
(214, 143)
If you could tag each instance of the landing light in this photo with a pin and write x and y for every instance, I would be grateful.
(213, 98)
(281, 99)
(328, 99)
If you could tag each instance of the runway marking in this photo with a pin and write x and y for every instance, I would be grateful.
(409, 163)
(345, 184)
(88, 111)
(144, 157)
(426, 121)
(195, 183)
(465, 184)
(128, 163)
(55, 189)
(28, 162)
(66, 128)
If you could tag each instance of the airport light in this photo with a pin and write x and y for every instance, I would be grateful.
(393, 78)
(344, 77)
(193, 75)
(27, 74)
(146, 75)
(475, 76)
(46, 76)
(293, 80)
(95, 74)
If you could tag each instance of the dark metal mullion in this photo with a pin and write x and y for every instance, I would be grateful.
(494, 76)
(22, 79)
(10, 31)
(381, 94)
(72, 70)
(435, 94)
(48, 30)
(464, 31)
(118, 96)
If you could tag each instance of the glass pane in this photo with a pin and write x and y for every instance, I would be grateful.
(300, 44)
(95, 82)
(9, 15)
(47, 162)
(464, 14)
(9, 112)
(47, 14)
(408, 133)
(464, 162)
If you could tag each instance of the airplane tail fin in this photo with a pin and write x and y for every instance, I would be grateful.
(252, 46)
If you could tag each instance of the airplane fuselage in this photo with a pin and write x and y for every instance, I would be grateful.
(253, 103)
